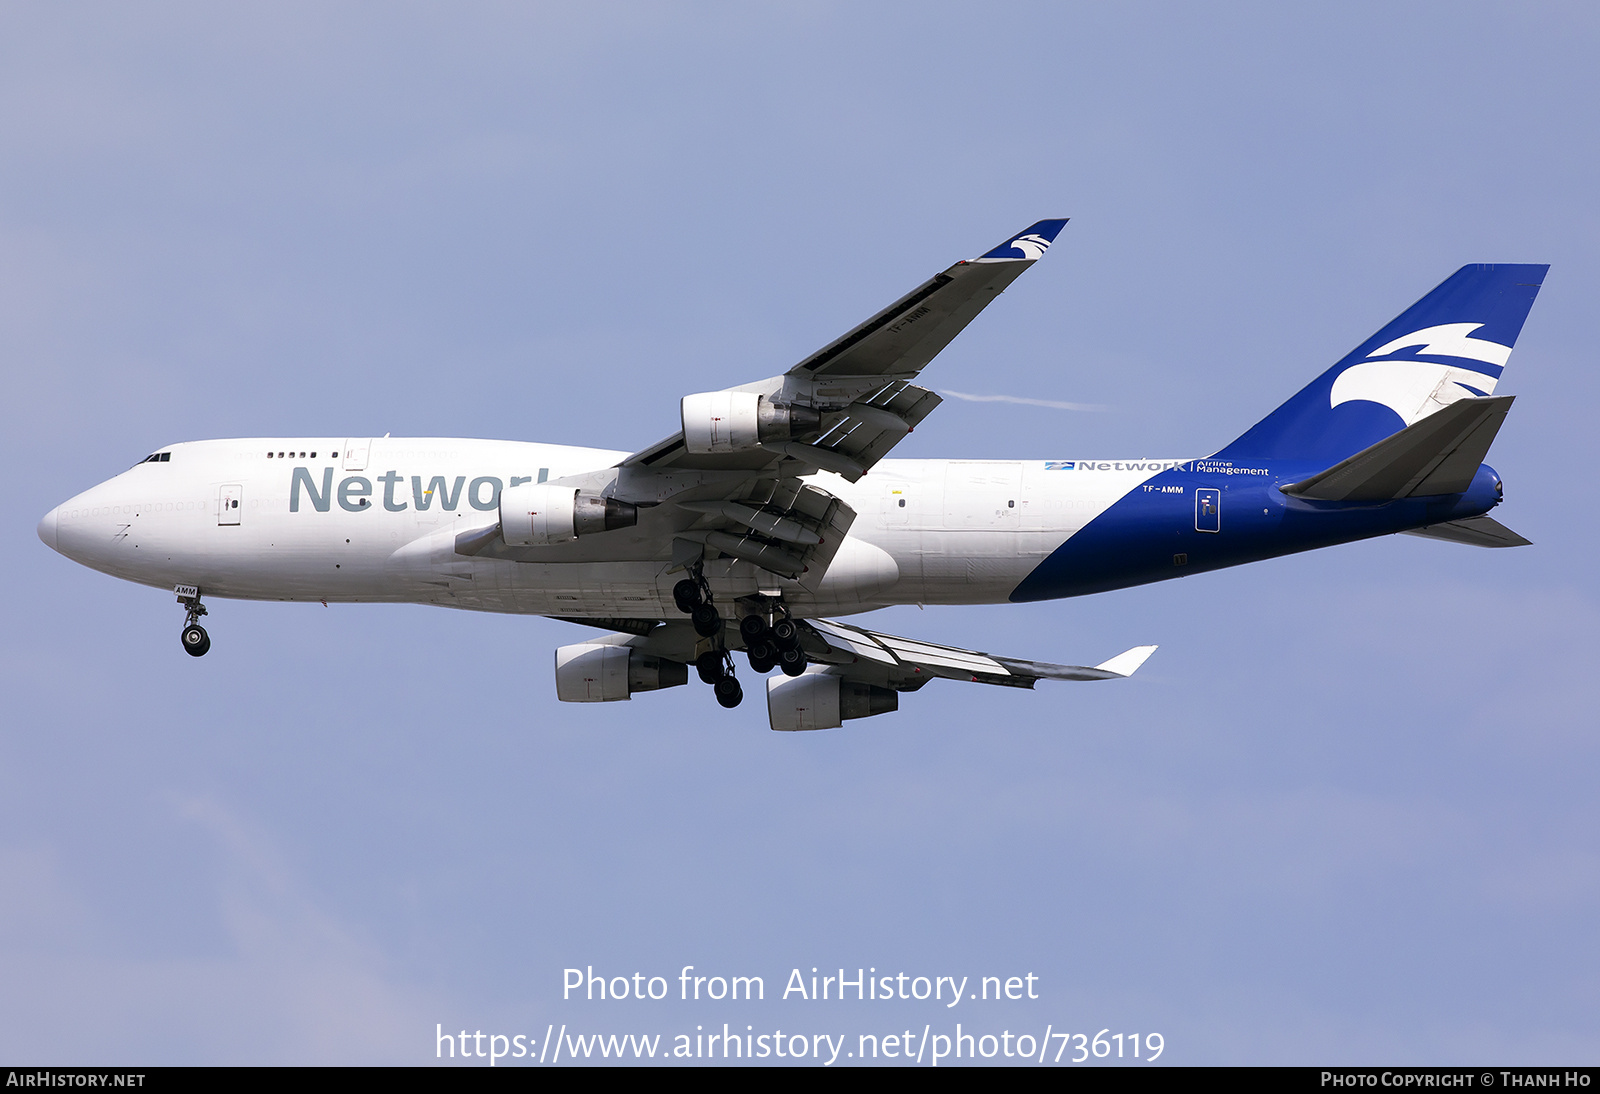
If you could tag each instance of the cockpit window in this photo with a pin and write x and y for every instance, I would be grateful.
(159, 457)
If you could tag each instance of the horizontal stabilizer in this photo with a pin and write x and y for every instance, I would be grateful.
(1478, 531)
(1437, 455)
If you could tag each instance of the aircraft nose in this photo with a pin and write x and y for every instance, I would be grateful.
(47, 528)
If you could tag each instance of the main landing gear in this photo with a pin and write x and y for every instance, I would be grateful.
(693, 597)
(768, 645)
(195, 639)
(715, 666)
(775, 646)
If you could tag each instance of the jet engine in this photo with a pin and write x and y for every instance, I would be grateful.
(735, 421)
(820, 700)
(539, 514)
(592, 672)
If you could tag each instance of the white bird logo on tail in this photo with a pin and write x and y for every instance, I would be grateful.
(1415, 389)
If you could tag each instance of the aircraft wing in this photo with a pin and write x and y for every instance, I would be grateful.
(905, 664)
(846, 405)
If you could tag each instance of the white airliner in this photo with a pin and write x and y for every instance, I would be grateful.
(774, 509)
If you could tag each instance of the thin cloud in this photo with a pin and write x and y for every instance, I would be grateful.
(1051, 403)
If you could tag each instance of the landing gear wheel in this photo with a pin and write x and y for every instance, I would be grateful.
(761, 665)
(729, 693)
(706, 621)
(195, 640)
(686, 595)
(786, 634)
(710, 666)
(793, 662)
(752, 628)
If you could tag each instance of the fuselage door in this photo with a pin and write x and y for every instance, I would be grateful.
(355, 453)
(230, 502)
(897, 506)
(1208, 510)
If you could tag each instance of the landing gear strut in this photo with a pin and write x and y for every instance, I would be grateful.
(195, 639)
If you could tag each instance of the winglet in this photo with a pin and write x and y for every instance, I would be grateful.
(1126, 664)
(1029, 244)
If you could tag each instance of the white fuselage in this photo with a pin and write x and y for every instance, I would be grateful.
(380, 522)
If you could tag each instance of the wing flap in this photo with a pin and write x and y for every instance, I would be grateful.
(786, 526)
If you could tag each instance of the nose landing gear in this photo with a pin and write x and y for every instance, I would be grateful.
(194, 638)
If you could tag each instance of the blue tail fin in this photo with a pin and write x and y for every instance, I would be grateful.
(1452, 344)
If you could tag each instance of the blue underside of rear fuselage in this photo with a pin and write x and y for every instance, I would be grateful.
(1154, 533)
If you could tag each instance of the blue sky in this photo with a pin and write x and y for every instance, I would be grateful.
(1346, 814)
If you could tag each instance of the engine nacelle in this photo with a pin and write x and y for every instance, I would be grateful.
(736, 421)
(537, 514)
(820, 700)
(592, 672)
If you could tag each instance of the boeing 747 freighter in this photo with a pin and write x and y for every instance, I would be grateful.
(773, 509)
